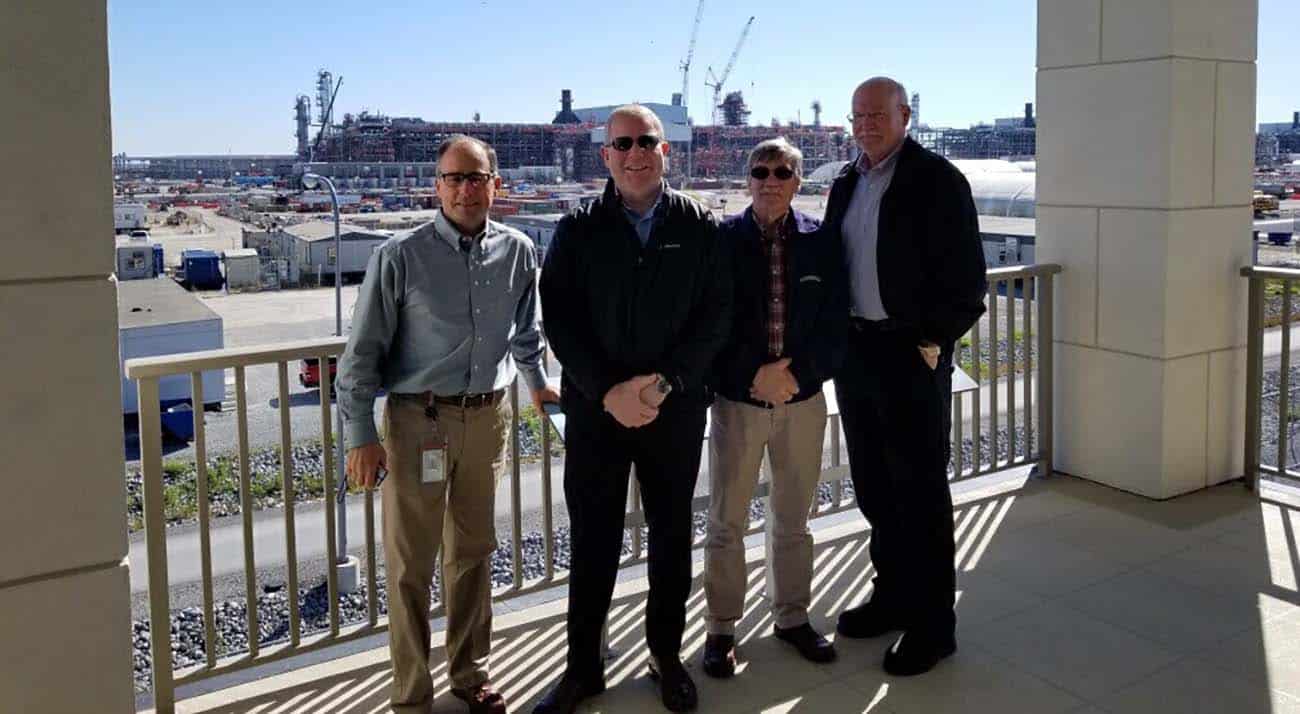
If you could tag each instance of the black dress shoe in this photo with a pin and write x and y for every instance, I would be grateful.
(811, 645)
(676, 688)
(915, 653)
(719, 659)
(565, 696)
(870, 619)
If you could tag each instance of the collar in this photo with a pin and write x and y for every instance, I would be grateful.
(864, 164)
(452, 235)
(783, 225)
(638, 217)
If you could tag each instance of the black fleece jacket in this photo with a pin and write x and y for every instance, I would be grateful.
(614, 309)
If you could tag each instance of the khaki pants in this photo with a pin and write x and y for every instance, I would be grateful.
(792, 435)
(414, 528)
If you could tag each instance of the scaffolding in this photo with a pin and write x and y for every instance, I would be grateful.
(980, 142)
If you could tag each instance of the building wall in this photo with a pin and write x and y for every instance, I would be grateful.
(64, 603)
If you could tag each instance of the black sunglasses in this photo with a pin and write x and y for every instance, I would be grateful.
(645, 141)
(760, 173)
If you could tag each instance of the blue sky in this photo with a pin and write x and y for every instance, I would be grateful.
(222, 77)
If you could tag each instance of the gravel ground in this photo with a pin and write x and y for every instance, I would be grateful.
(188, 641)
(223, 476)
(1269, 419)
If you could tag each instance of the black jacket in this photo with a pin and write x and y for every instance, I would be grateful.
(614, 310)
(817, 306)
(929, 256)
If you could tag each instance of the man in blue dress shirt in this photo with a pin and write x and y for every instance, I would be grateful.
(445, 313)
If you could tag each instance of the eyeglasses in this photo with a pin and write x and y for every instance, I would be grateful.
(760, 173)
(475, 179)
(624, 143)
(876, 117)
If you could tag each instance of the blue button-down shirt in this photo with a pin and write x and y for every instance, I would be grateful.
(643, 222)
(432, 317)
(861, 233)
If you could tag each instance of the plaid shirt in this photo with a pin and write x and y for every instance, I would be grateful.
(774, 248)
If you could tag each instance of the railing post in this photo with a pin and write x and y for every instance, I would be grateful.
(155, 524)
(1254, 377)
(516, 492)
(1046, 382)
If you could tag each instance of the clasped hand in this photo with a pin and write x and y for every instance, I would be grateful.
(774, 383)
(634, 403)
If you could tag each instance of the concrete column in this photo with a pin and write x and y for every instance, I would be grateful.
(65, 640)
(1145, 150)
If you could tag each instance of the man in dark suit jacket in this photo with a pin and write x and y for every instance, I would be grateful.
(787, 338)
(916, 285)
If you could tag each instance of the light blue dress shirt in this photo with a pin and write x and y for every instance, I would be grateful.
(432, 317)
(861, 235)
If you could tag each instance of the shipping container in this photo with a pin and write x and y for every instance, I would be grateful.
(200, 269)
(243, 269)
(134, 260)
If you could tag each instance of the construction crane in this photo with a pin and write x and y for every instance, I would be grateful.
(690, 54)
(717, 82)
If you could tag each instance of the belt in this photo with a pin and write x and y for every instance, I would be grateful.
(471, 401)
(464, 401)
(861, 324)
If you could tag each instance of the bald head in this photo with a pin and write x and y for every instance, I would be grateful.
(880, 116)
(884, 84)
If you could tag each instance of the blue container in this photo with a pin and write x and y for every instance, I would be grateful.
(202, 269)
(158, 260)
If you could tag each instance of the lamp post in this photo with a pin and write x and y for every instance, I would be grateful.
(348, 570)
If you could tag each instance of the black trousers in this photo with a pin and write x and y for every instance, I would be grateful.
(897, 413)
(598, 455)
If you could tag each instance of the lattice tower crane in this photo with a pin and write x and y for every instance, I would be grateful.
(717, 82)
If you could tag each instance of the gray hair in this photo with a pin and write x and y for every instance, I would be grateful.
(457, 139)
(900, 92)
(634, 110)
(781, 149)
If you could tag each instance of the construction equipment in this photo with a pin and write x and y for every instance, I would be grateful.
(716, 82)
(690, 54)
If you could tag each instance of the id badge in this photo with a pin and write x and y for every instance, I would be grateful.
(433, 464)
(433, 457)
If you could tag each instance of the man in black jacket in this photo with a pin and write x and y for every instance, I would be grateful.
(786, 341)
(637, 299)
(916, 285)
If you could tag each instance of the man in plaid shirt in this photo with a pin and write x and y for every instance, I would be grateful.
(787, 337)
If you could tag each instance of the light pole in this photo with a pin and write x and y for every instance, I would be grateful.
(348, 579)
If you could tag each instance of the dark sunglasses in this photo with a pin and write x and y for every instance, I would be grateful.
(760, 173)
(645, 141)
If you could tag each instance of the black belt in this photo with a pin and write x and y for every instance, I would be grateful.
(861, 324)
(464, 401)
(471, 401)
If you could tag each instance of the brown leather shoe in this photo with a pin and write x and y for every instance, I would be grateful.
(482, 699)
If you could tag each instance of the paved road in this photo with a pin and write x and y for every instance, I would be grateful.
(184, 554)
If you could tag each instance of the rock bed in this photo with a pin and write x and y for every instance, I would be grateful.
(264, 465)
(188, 641)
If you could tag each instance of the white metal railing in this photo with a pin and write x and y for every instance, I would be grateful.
(1279, 445)
(1034, 284)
